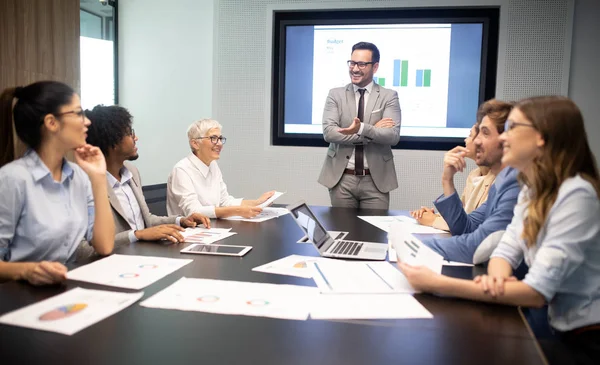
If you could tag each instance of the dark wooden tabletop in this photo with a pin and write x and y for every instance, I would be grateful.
(461, 332)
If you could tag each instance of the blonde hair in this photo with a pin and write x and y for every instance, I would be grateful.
(200, 128)
(565, 153)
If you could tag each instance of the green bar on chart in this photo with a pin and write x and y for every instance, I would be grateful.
(381, 81)
(404, 74)
(427, 78)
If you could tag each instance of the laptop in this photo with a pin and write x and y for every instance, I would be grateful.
(327, 245)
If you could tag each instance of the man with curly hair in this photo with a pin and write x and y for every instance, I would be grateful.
(111, 130)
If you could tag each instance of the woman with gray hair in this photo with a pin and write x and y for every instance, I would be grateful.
(196, 183)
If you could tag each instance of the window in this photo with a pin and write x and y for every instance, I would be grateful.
(98, 45)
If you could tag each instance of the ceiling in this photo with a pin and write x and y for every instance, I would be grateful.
(95, 7)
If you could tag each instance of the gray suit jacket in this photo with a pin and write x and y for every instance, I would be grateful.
(122, 227)
(340, 111)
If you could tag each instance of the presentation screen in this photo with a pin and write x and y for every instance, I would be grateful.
(438, 61)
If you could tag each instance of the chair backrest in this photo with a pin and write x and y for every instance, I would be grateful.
(156, 198)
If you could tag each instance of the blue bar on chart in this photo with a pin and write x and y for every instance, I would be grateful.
(374, 79)
(396, 73)
(419, 78)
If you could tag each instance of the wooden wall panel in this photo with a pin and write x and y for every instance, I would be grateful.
(39, 40)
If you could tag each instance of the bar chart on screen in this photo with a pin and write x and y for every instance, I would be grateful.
(414, 61)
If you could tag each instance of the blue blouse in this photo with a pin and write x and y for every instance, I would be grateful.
(564, 264)
(42, 219)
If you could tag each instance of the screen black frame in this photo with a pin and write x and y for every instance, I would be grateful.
(488, 16)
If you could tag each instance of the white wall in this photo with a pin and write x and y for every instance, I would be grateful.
(165, 76)
(166, 67)
(533, 60)
(584, 86)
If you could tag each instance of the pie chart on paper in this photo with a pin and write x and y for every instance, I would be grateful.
(63, 312)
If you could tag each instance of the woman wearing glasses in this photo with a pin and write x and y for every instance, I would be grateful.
(49, 205)
(196, 183)
(555, 228)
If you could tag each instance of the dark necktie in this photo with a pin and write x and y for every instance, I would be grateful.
(358, 149)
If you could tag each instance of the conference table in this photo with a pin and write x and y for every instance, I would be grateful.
(461, 332)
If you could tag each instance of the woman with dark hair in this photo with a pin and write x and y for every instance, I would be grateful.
(555, 229)
(49, 205)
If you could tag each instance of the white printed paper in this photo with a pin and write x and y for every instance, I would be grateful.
(367, 306)
(412, 251)
(236, 298)
(268, 202)
(358, 277)
(72, 311)
(293, 265)
(407, 224)
(266, 214)
(206, 235)
(127, 271)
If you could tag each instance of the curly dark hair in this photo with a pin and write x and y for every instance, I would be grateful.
(109, 125)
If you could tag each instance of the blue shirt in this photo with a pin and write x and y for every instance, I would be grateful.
(564, 263)
(468, 230)
(42, 219)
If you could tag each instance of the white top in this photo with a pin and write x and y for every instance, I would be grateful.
(368, 89)
(128, 202)
(564, 264)
(193, 187)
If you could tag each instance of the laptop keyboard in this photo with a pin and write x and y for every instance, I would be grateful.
(347, 248)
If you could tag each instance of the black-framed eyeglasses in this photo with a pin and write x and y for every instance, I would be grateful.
(510, 125)
(132, 134)
(215, 139)
(361, 65)
(80, 113)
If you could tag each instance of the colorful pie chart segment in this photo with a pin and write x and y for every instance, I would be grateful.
(63, 312)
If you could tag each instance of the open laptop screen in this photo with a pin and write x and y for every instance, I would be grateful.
(314, 230)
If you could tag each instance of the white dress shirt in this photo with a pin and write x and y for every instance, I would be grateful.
(128, 202)
(194, 187)
(368, 90)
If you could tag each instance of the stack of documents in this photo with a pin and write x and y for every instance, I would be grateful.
(235, 297)
(352, 289)
(281, 301)
(266, 214)
(358, 277)
(407, 224)
(206, 235)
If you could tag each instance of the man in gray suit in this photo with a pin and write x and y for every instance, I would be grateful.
(111, 131)
(361, 122)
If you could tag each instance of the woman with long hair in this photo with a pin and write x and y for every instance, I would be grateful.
(49, 205)
(555, 229)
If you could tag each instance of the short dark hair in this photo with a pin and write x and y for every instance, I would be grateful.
(497, 111)
(109, 125)
(369, 47)
(34, 102)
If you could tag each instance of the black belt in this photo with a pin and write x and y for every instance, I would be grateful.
(353, 172)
